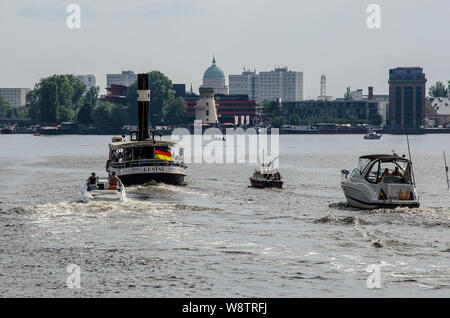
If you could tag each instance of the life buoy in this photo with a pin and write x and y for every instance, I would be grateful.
(404, 195)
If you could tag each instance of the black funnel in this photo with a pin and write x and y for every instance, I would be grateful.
(143, 104)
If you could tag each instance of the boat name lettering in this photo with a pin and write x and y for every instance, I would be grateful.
(154, 169)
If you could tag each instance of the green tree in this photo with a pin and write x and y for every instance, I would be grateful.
(55, 99)
(132, 115)
(102, 116)
(84, 115)
(118, 116)
(295, 120)
(91, 95)
(271, 108)
(161, 93)
(438, 90)
(33, 109)
(278, 121)
(325, 118)
(310, 120)
(5, 108)
(174, 113)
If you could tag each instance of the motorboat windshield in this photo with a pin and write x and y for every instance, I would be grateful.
(390, 169)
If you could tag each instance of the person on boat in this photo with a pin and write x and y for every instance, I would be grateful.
(115, 156)
(92, 182)
(126, 156)
(385, 173)
(397, 173)
(114, 181)
(277, 175)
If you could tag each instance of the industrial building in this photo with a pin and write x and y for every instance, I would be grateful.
(406, 97)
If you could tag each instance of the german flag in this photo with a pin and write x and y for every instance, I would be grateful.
(163, 155)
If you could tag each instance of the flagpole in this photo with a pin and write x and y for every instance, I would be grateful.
(446, 169)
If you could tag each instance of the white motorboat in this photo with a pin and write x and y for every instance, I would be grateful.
(373, 135)
(380, 181)
(101, 192)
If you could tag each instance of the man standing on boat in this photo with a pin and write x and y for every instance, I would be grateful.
(114, 181)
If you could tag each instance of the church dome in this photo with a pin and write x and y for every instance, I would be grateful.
(214, 72)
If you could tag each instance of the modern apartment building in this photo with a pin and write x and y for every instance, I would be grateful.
(88, 80)
(126, 78)
(280, 83)
(14, 96)
(244, 84)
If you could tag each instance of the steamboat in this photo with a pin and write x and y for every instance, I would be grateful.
(142, 158)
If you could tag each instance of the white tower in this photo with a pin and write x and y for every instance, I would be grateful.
(205, 110)
(323, 90)
(323, 85)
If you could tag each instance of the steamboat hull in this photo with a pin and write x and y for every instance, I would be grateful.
(142, 175)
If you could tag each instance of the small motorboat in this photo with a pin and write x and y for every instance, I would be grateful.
(100, 192)
(373, 135)
(380, 181)
(266, 177)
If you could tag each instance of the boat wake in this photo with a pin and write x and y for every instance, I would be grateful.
(102, 208)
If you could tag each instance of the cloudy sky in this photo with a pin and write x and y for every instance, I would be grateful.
(179, 37)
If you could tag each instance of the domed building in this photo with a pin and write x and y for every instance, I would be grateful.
(214, 77)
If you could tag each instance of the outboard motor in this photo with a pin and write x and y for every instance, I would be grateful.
(344, 173)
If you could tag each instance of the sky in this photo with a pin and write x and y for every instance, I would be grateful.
(180, 37)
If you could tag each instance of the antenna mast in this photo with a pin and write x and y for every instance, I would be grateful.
(410, 159)
(446, 169)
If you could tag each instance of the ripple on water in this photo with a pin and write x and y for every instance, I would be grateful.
(346, 220)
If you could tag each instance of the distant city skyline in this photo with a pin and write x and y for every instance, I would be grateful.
(179, 38)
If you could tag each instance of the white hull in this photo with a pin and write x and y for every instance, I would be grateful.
(103, 195)
(360, 199)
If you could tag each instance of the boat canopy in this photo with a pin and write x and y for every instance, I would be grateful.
(140, 144)
(382, 156)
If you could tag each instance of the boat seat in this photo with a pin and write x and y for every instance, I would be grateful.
(392, 179)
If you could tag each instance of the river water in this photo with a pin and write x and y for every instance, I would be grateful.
(217, 237)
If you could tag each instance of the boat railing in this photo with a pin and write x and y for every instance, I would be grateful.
(145, 163)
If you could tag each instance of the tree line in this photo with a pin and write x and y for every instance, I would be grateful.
(7, 111)
(63, 98)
